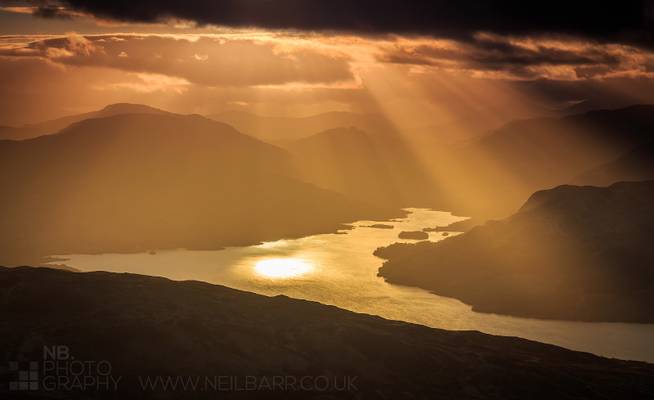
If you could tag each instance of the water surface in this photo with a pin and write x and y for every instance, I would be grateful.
(339, 269)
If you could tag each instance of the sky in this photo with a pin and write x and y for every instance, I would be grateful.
(440, 62)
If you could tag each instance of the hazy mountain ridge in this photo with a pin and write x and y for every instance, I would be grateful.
(286, 129)
(376, 167)
(197, 329)
(579, 253)
(282, 129)
(634, 165)
(502, 167)
(138, 181)
(523, 156)
(52, 126)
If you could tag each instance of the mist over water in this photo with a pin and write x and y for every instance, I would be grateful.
(340, 269)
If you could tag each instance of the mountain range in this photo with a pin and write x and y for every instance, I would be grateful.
(185, 180)
(134, 182)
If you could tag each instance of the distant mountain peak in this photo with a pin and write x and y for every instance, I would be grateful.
(55, 125)
(129, 108)
(343, 130)
(586, 106)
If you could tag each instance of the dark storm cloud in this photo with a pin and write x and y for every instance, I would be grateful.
(623, 22)
(51, 11)
(521, 58)
(496, 56)
(499, 54)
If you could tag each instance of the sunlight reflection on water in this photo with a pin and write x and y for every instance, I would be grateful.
(282, 268)
(340, 269)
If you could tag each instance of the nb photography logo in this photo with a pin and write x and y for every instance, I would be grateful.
(59, 371)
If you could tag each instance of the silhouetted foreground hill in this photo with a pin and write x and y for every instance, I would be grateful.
(146, 326)
(140, 181)
(55, 125)
(579, 253)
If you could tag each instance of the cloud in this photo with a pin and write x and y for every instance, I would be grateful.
(39, 8)
(203, 60)
(47, 76)
(630, 22)
(37, 88)
(34, 89)
(51, 11)
(521, 58)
